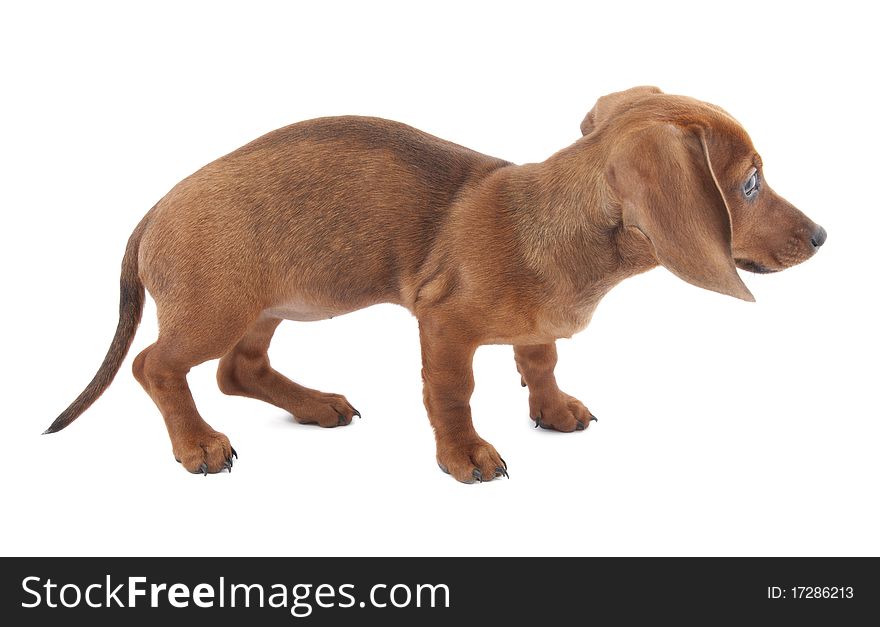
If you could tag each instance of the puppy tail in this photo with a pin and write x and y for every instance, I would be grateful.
(131, 307)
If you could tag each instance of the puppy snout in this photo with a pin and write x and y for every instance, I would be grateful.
(818, 238)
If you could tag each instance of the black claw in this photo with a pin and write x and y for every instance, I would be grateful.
(501, 472)
(477, 475)
(523, 383)
(228, 465)
(580, 426)
(503, 462)
(443, 468)
(357, 413)
(204, 468)
(234, 454)
(543, 426)
(592, 417)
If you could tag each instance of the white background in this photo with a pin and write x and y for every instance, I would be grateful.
(726, 427)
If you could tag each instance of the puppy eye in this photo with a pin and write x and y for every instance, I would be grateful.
(751, 185)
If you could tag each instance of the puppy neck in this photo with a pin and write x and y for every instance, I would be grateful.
(569, 226)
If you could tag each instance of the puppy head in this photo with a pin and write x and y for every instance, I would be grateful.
(686, 174)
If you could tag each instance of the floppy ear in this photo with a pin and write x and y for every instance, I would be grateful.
(606, 106)
(664, 181)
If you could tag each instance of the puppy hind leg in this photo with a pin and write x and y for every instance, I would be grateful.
(162, 368)
(245, 371)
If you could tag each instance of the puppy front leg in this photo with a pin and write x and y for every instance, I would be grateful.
(448, 378)
(549, 407)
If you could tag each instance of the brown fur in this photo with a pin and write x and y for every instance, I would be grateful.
(328, 216)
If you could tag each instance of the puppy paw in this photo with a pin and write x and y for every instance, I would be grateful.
(206, 452)
(473, 462)
(325, 410)
(560, 412)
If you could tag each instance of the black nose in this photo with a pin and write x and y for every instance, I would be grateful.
(819, 237)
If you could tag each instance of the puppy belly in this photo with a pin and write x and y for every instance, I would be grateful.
(305, 312)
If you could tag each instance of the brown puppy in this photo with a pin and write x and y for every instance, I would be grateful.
(328, 216)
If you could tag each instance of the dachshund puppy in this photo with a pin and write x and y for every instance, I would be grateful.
(327, 216)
